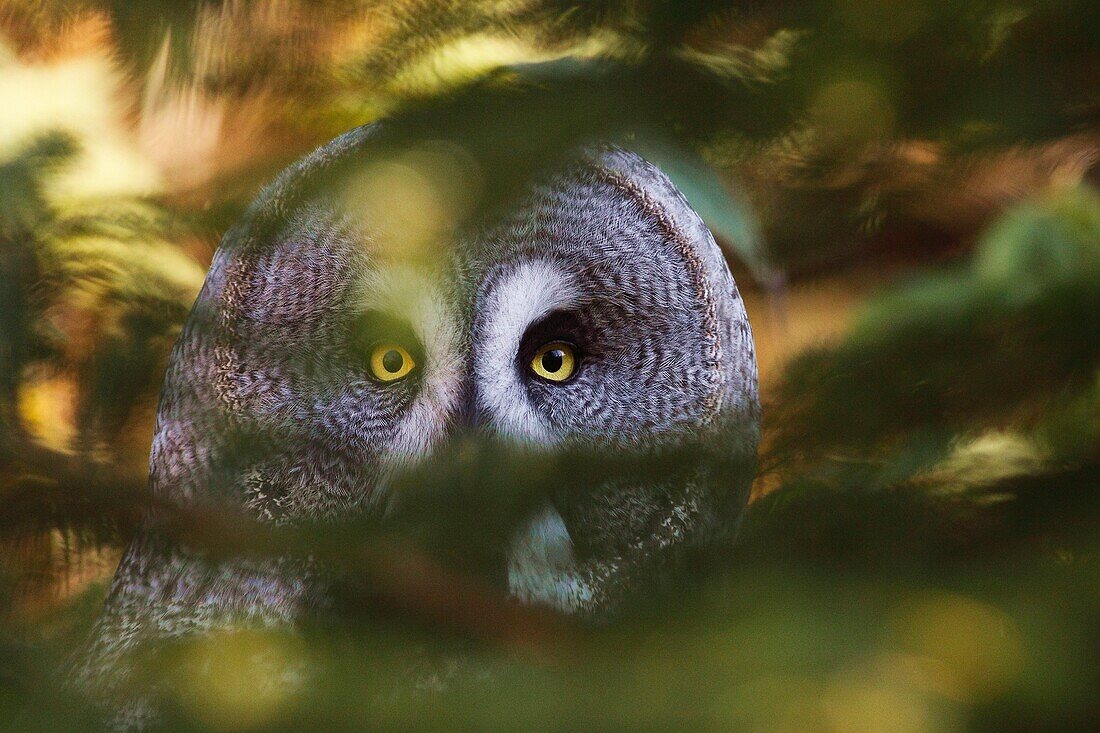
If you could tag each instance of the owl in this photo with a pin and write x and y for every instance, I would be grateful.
(593, 310)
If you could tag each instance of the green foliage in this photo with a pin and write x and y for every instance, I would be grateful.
(1005, 341)
(24, 211)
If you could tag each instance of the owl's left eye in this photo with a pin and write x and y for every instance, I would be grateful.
(556, 361)
(390, 362)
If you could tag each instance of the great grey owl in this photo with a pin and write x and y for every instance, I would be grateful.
(595, 309)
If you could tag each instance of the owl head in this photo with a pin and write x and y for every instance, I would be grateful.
(330, 349)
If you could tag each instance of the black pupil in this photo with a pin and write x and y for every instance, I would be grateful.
(392, 361)
(552, 360)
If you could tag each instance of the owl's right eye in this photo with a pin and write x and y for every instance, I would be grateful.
(390, 362)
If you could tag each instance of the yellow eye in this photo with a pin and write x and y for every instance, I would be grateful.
(390, 362)
(556, 361)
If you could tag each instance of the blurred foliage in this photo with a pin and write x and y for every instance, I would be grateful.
(1004, 341)
(922, 555)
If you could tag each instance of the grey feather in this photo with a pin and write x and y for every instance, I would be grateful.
(267, 403)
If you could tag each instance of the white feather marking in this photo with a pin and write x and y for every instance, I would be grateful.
(517, 300)
(540, 564)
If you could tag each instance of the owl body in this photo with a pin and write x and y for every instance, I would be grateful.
(594, 311)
